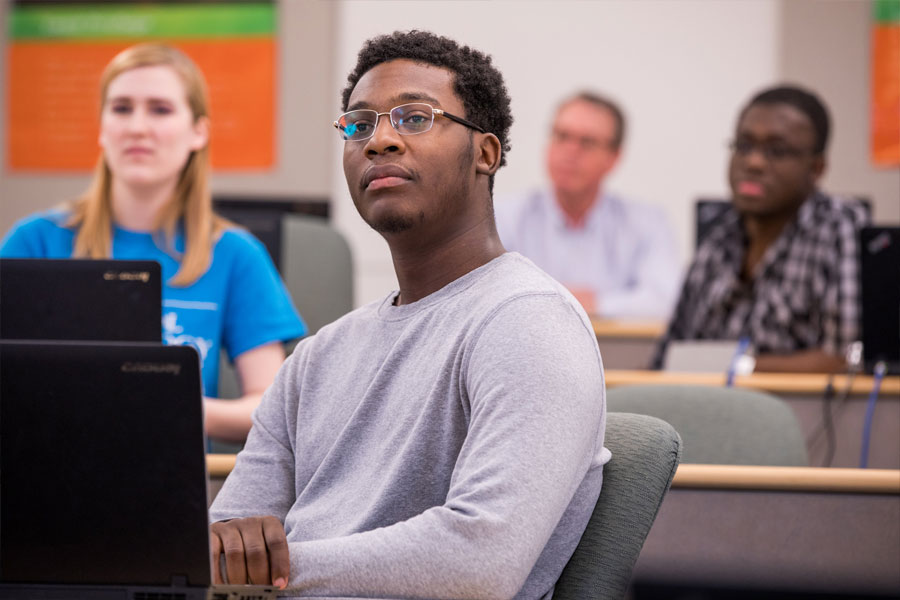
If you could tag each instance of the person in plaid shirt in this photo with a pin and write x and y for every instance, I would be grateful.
(780, 266)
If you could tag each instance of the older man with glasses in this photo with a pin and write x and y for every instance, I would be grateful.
(779, 271)
(619, 257)
(446, 441)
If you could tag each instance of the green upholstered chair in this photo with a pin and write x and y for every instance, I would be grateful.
(719, 425)
(645, 453)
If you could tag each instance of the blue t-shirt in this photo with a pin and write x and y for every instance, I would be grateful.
(238, 304)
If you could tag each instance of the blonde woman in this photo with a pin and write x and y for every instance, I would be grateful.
(150, 199)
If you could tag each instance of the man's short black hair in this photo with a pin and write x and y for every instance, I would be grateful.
(477, 82)
(803, 100)
(605, 103)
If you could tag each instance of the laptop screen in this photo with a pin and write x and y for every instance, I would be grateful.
(880, 290)
(76, 299)
(700, 356)
(103, 466)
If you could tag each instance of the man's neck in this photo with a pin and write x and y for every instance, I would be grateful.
(762, 233)
(575, 206)
(423, 268)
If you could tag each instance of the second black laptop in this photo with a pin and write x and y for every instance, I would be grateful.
(80, 299)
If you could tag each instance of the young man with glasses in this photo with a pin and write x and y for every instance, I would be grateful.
(446, 441)
(618, 257)
(780, 269)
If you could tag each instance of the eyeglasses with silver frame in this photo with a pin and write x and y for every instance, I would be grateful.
(407, 119)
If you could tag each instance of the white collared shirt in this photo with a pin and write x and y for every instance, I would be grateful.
(625, 252)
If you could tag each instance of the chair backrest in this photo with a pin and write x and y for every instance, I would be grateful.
(720, 425)
(645, 453)
(317, 267)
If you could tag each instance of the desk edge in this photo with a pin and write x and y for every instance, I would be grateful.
(730, 477)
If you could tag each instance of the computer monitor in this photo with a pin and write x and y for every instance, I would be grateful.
(880, 291)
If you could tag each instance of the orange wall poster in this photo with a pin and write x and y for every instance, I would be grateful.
(885, 95)
(57, 53)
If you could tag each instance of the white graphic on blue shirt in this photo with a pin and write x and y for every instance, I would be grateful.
(173, 334)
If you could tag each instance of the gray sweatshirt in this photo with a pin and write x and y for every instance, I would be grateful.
(449, 448)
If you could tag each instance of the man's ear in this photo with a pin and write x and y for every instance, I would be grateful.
(489, 151)
(616, 155)
(818, 168)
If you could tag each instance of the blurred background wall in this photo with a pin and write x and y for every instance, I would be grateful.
(681, 69)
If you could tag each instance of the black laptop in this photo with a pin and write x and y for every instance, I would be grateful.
(880, 288)
(80, 299)
(103, 474)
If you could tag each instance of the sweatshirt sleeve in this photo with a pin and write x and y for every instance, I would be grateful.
(533, 382)
(262, 481)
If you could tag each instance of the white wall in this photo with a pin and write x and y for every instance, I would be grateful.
(680, 69)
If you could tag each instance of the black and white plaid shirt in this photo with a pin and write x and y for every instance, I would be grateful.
(804, 293)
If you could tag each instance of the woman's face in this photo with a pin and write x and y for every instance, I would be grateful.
(147, 130)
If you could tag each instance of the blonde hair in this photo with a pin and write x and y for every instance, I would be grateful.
(91, 213)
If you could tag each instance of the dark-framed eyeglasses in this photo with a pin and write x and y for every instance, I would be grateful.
(407, 119)
(773, 151)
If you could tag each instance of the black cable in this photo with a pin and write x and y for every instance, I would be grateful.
(845, 395)
(829, 407)
(827, 396)
(828, 424)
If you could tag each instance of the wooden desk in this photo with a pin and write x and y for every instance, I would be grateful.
(765, 528)
(218, 466)
(785, 529)
(627, 344)
(803, 392)
(774, 383)
(797, 479)
(638, 329)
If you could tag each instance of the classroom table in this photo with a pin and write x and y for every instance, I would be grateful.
(804, 392)
(627, 343)
(774, 531)
(218, 466)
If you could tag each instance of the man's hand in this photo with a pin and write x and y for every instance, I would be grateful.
(255, 549)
